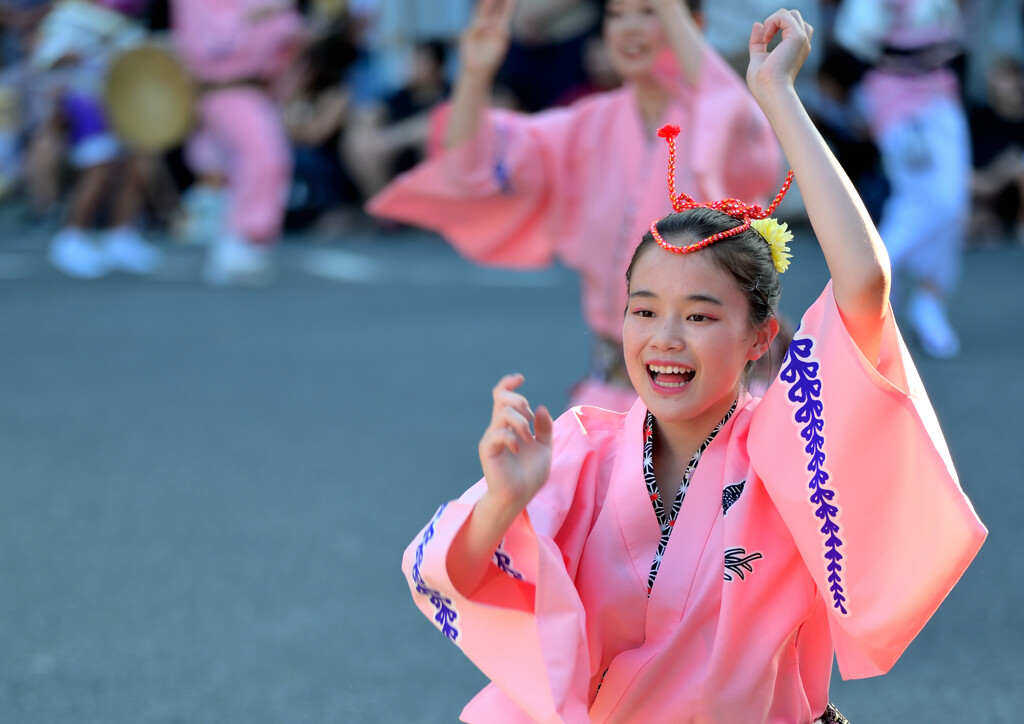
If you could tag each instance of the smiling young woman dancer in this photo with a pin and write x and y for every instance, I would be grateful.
(575, 183)
(824, 519)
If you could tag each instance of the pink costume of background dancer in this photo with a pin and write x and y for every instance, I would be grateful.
(825, 519)
(575, 183)
(239, 48)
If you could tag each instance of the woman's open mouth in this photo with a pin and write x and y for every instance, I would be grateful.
(670, 375)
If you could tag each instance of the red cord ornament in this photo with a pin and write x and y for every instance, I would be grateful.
(733, 207)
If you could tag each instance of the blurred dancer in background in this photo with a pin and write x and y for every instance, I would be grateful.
(913, 107)
(240, 51)
(575, 183)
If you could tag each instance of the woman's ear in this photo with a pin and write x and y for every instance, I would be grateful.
(766, 334)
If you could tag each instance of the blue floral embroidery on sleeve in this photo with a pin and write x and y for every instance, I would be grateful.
(800, 373)
(504, 562)
(501, 174)
(446, 616)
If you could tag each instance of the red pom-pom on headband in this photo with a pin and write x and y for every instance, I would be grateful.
(733, 207)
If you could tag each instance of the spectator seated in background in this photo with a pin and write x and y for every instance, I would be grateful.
(390, 137)
(83, 37)
(316, 114)
(997, 135)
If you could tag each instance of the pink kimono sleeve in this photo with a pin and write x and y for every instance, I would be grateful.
(853, 458)
(524, 626)
(494, 197)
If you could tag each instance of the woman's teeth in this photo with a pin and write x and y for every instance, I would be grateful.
(681, 375)
(668, 370)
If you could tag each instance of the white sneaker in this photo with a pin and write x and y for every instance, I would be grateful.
(73, 252)
(936, 335)
(127, 251)
(236, 261)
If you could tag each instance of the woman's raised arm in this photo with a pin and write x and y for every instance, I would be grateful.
(853, 250)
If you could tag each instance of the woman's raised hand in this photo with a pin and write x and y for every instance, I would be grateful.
(484, 43)
(516, 461)
(777, 69)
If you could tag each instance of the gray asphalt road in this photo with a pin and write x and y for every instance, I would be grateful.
(204, 495)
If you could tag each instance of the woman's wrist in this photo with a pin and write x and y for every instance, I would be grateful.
(476, 79)
(775, 96)
(496, 512)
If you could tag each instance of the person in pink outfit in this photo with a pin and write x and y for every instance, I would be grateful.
(573, 183)
(239, 50)
(702, 557)
(912, 101)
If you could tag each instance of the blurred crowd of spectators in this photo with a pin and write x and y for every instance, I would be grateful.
(371, 71)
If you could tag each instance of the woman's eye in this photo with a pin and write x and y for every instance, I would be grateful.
(698, 318)
(643, 312)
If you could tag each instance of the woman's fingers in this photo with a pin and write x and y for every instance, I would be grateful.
(504, 396)
(510, 419)
(498, 12)
(497, 440)
(758, 42)
(506, 10)
(785, 59)
(543, 426)
(508, 382)
(486, 9)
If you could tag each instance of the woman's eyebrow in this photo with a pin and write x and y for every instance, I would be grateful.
(704, 298)
(699, 297)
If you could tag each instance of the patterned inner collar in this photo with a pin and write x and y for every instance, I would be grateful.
(667, 518)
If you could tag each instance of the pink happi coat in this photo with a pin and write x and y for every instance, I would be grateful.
(582, 184)
(825, 518)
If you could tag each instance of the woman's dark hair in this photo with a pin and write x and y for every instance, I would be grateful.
(329, 56)
(746, 256)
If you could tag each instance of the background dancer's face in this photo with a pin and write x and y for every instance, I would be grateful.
(687, 336)
(634, 37)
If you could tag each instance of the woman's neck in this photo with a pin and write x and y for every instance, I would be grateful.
(679, 440)
(651, 101)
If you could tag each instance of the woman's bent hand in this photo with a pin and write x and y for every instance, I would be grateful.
(516, 464)
(485, 40)
(516, 460)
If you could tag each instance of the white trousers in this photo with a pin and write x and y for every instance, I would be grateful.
(927, 160)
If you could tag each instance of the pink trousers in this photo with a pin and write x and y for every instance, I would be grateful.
(240, 135)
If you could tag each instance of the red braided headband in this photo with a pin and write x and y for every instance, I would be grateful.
(733, 207)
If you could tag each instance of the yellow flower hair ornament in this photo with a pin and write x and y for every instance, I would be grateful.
(777, 235)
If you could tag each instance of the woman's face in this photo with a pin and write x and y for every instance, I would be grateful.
(687, 337)
(633, 36)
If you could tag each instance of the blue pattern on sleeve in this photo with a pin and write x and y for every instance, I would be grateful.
(446, 616)
(500, 171)
(800, 373)
(504, 562)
